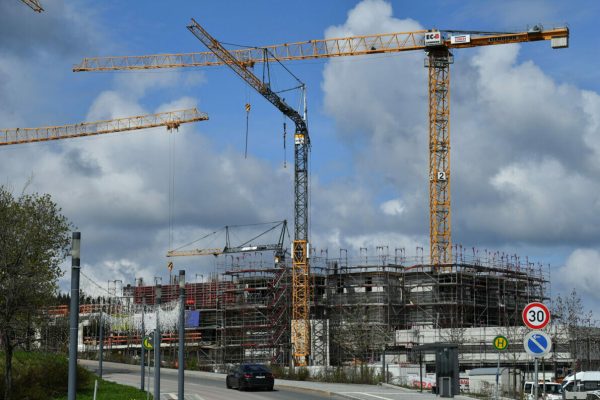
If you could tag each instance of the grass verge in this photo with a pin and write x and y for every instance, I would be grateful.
(109, 391)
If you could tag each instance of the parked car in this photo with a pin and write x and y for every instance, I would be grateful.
(250, 376)
(552, 391)
(576, 386)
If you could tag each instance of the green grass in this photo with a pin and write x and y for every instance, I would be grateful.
(109, 391)
(45, 376)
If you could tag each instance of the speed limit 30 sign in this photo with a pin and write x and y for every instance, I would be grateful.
(536, 315)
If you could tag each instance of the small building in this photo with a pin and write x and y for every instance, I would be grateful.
(483, 380)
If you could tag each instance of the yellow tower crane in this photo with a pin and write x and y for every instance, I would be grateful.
(436, 43)
(300, 265)
(169, 119)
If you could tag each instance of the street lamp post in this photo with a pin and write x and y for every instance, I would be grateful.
(143, 350)
(180, 381)
(157, 346)
(74, 315)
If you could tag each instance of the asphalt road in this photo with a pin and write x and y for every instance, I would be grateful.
(209, 386)
(199, 387)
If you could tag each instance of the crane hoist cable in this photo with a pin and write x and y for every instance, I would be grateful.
(284, 140)
(248, 108)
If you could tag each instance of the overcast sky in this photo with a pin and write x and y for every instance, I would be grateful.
(525, 131)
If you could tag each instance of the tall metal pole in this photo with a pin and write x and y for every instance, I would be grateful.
(74, 315)
(535, 383)
(421, 370)
(498, 377)
(180, 380)
(101, 344)
(157, 346)
(143, 355)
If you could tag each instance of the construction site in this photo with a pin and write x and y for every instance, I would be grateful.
(286, 303)
(359, 306)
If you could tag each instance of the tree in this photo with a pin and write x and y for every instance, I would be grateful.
(575, 324)
(357, 336)
(34, 240)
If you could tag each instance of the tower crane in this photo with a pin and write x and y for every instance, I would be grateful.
(170, 119)
(34, 5)
(245, 247)
(300, 263)
(436, 43)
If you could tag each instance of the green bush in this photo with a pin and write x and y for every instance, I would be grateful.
(40, 376)
(303, 374)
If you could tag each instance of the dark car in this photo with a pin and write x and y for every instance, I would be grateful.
(250, 376)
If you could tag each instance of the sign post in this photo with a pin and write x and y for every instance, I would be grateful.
(500, 343)
(537, 344)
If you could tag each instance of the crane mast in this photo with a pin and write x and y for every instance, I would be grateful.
(170, 119)
(300, 246)
(440, 244)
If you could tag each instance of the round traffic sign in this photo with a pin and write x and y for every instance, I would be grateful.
(500, 342)
(537, 344)
(536, 315)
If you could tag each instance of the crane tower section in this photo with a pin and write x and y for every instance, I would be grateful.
(438, 62)
(300, 266)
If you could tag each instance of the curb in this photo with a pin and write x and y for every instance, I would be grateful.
(305, 389)
(396, 387)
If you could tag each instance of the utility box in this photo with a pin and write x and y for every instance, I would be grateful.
(446, 366)
(447, 370)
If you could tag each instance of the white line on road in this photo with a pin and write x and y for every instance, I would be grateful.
(378, 397)
(368, 394)
(349, 394)
(173, 396)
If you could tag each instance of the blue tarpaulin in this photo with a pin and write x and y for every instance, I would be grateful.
(192, 319)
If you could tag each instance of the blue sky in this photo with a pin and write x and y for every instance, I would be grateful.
(525, 130)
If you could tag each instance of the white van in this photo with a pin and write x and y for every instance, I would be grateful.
(576, 386)
(552, 390)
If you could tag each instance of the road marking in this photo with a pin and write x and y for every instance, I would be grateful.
(173, 396)
(377, 397)
(349, 394)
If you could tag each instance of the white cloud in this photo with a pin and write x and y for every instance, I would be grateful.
(581, 272)
(393, 207)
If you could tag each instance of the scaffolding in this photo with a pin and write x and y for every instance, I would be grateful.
(357, 304)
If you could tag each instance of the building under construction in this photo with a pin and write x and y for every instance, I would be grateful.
(357, 306)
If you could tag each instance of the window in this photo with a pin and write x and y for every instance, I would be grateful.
(553, 388)
(256, 368)
(569, 387)
(591, 385)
